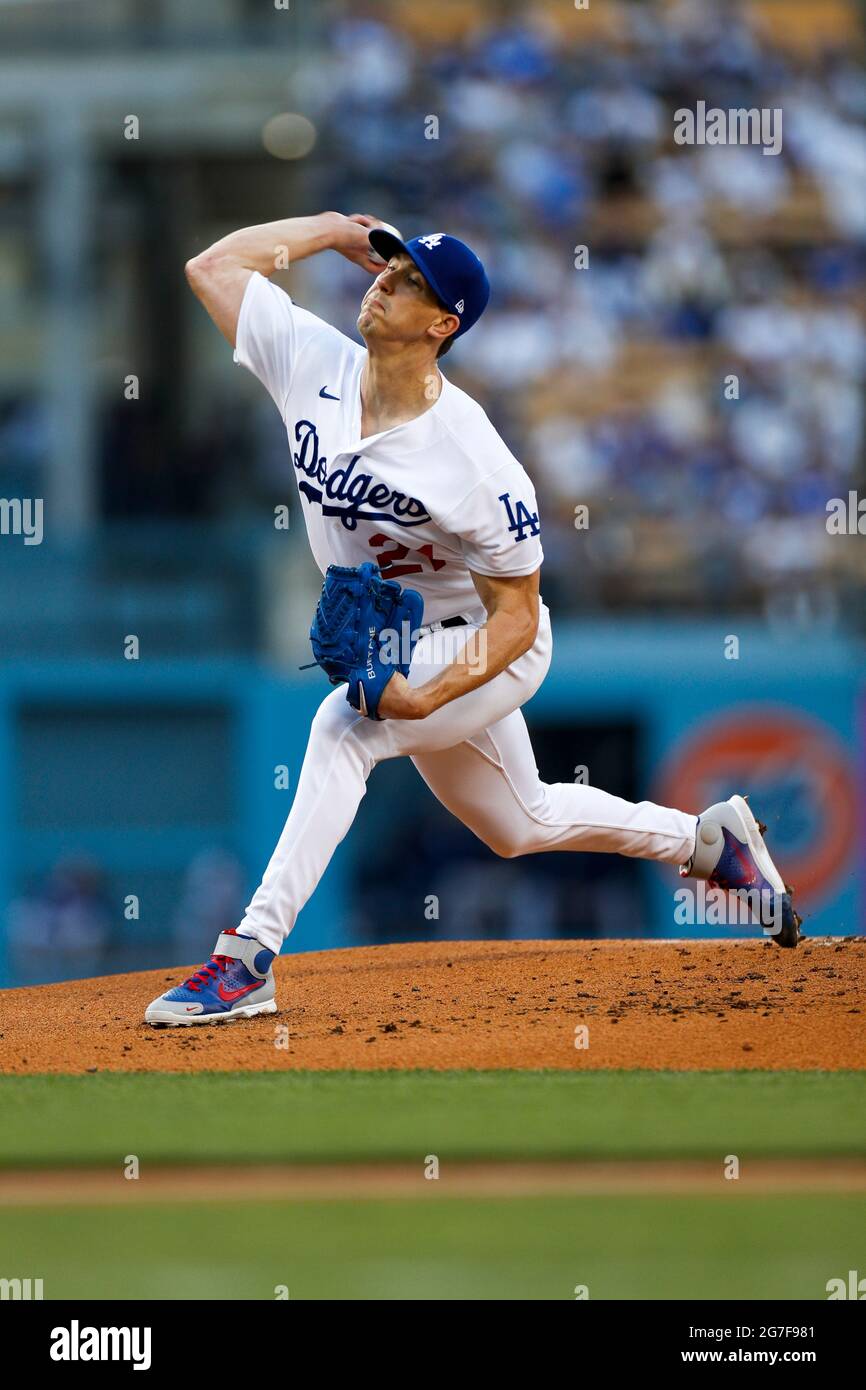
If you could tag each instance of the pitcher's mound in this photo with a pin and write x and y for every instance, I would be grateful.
(678, 1005)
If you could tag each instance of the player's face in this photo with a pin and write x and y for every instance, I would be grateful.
(400, 306)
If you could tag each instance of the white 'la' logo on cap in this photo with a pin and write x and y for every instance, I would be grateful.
(431, 242)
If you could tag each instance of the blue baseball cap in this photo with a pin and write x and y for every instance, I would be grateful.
(450, 267)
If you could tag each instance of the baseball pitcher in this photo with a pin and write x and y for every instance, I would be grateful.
(431, 624)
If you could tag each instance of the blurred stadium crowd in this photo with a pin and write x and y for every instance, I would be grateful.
(609, 381)
(532, 131)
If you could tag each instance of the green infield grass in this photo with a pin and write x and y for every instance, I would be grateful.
(352, 1116)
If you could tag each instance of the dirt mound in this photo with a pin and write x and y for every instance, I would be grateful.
(678, 1005)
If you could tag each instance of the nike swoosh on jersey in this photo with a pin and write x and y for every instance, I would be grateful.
(326, 395)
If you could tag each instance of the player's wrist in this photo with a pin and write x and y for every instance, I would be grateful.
(400, 700)
(336, 230)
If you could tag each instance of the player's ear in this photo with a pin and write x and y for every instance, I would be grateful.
(443, 327)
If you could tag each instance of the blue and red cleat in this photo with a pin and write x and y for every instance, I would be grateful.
(236, 982)
(730, 853)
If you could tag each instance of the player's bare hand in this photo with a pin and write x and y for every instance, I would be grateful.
(400, 701)
(351, 240)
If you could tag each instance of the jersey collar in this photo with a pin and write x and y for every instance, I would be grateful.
(360, 446)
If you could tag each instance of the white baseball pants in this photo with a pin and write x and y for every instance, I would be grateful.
(476, 757)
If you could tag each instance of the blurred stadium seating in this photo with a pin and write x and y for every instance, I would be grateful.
(554, 130)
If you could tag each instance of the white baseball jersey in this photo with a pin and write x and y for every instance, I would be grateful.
(428, 500)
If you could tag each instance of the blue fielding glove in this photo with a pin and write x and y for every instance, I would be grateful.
(356, 608)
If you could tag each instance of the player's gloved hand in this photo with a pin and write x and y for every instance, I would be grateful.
(364, 630)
